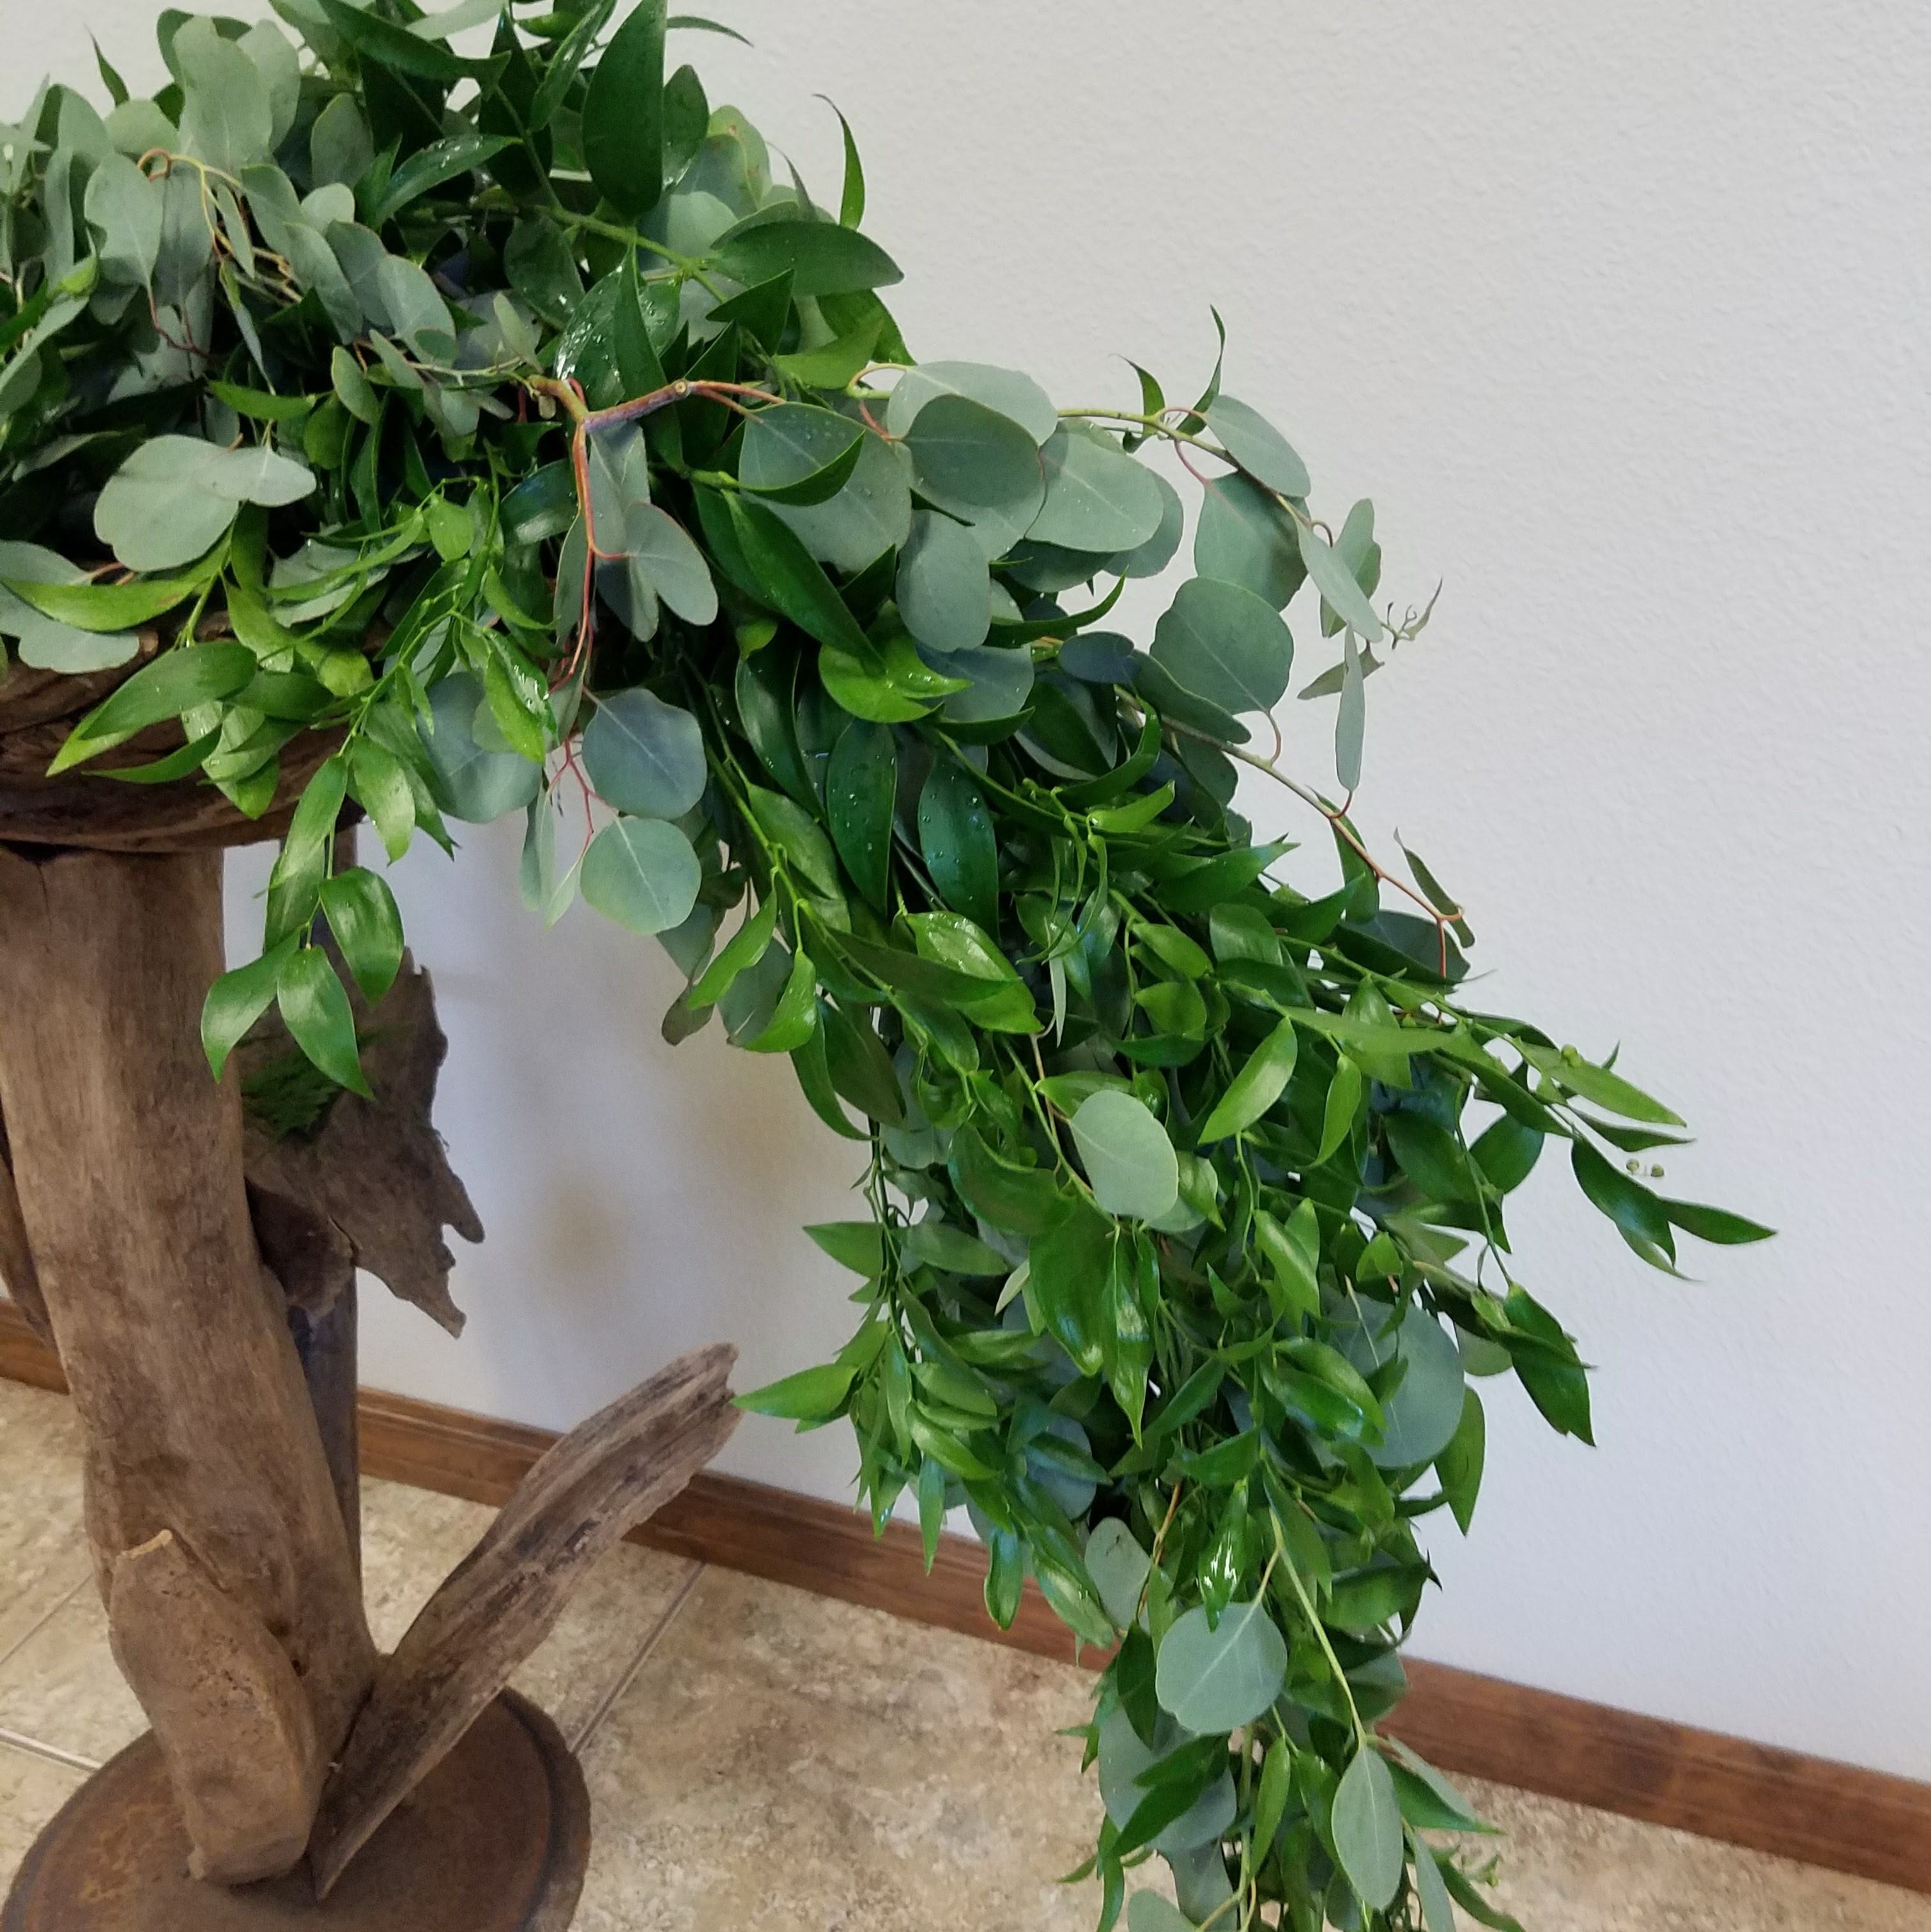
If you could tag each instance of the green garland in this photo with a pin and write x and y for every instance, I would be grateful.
(502, 417)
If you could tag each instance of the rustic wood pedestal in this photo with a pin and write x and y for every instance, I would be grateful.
(495, 1839)
(198, 1278)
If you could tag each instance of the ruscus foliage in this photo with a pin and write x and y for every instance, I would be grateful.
(504, 416)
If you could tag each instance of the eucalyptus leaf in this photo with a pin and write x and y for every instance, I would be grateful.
(642, 873)
(1225, 644)
(1128, 1160)
(1366, 1820)
(1214, 1677)
(644, 756)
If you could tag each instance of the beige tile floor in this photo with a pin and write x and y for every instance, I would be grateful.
(763, 1760)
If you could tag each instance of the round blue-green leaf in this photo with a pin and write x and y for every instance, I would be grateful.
(1123, 1757)
(1001, 682)
(480, 785)
(1148, 1912)
(1366, 1821)
(1215, 1678)
(1425, 1410)
(1150, 558)
(1119, 1568)
(944, 590)
(644, 756)
(870, 514)
(642, 873)
(978, 465)
(1225, 644)
(1007, 390)
(158, 510)
(1129, 1160)
(1258, 446)
(1243, 536)
(1098, 498)
(662, 550)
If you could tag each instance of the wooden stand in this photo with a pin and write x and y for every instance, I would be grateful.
(197, 1277)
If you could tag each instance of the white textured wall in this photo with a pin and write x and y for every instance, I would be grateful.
(1619, 314)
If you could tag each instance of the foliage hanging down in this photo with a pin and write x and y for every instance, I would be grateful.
(502, 416)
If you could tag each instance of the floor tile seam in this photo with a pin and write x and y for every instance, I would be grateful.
(45, 1617)
(629, 1675)
(34, 1747)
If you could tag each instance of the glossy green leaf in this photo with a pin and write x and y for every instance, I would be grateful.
(812, 1395)
(316, 1010)
(793, 582)
(1257, 1085)
(823, 258)
(430, 168)
(237, 1000)
(623, 113)
(960, 845)
(861, 790)
(744, 949)
(362, 914)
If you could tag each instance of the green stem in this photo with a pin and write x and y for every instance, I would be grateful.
(1320, 1629)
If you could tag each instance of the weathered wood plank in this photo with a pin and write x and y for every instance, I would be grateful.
(128, 1160)
(227, 1710)
(501, 1601)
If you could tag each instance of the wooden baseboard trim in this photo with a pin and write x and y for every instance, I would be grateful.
(1864, 1823)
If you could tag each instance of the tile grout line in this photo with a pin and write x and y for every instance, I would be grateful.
(637, 1663)
(33, 1747)
(45, 1617)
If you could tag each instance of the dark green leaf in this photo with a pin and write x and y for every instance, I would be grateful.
(824, 259)
(237, 1000)
(792, 581)
(1715, 1224)
(623, 114)
(362, 914)
(1459, 1465)
(960, 848)
(430, 167)
(861, 787)
(316, 1011)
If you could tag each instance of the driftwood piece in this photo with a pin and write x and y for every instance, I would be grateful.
(17, 1274)
(500, 1602)
(80, 808)
(325, 1344)
(373, 1188)
(227, 1709)
(127, 1159)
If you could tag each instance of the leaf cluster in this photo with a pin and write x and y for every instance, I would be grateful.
(508, 419)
